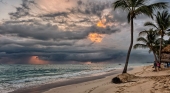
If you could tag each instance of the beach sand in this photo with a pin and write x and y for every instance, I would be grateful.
(148, 81)
(45, 87)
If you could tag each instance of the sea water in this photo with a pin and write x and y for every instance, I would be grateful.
(17, 76)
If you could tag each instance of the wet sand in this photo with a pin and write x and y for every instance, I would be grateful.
(46, 87)
(148, 81)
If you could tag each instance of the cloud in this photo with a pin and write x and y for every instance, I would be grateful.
(36, 60)
(58, 24)
(58, 32)
(55, 5)
(55, 14)
(22, 11)
(110, 56)
(42, 32)
(20, 21)
(49, 31)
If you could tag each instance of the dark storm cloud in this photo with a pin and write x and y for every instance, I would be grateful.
(22, 11)
(92, 8)
(138, 56)
(88, 9)
(34, 29)
(81, 57)
(47, 41)
(120, 15)
(110, 56)
(27, 3)
(48, 31)
(55, 14)
(108, 30)
(60, 56)
(14, 60)
(31, 43)
(21, 21)
(42, 32)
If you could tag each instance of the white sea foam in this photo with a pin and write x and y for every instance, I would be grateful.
(33, 75)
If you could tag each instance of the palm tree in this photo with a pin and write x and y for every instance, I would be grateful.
(162, 25)
(157, 46)
(134, 8)
(148, 42)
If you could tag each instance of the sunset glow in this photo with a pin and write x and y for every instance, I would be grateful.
(88, 63)
(95, 37)
(64, 32)
(101, 23)
(46, 45)
(36, 60)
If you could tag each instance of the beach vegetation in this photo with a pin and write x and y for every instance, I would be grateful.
(161, 25)
(135, 8)
(150, 41)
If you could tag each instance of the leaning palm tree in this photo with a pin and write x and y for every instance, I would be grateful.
(148, 42)
(134, 8)
(162, 25)
(157, 46)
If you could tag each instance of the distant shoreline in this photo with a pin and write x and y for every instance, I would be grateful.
(46, 87)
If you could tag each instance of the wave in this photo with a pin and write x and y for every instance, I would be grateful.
(13, 77)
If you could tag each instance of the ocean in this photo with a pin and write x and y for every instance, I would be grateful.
(15, 76)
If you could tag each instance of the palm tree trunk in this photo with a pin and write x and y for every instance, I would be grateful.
(155, 57)
(130, 48)
(160, 49)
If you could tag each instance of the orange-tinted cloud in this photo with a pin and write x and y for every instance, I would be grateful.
(53, 6)
(36, 60)
(88, 63)
(95, 37)
(101, 23)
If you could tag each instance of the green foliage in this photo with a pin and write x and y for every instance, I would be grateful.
(134, 8)
(149, 41)
(137, 7)
(150, 24)
(140, 46)
(162, 20)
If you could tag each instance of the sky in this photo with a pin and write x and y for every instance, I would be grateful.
(67, 31)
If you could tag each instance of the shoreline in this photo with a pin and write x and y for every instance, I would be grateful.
(104, 85)
(46, 87)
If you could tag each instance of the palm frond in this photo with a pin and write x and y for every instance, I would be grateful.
(149, 9)
(158, 41)
(163, 21)
(142, 33)
(159, 20)
(144, 10)
(121, 4)
(142, 39)
(150, 24)
(139, 3)
(159, 5)
(140, 46)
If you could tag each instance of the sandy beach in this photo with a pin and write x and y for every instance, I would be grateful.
(76, 80)
(149, 81)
